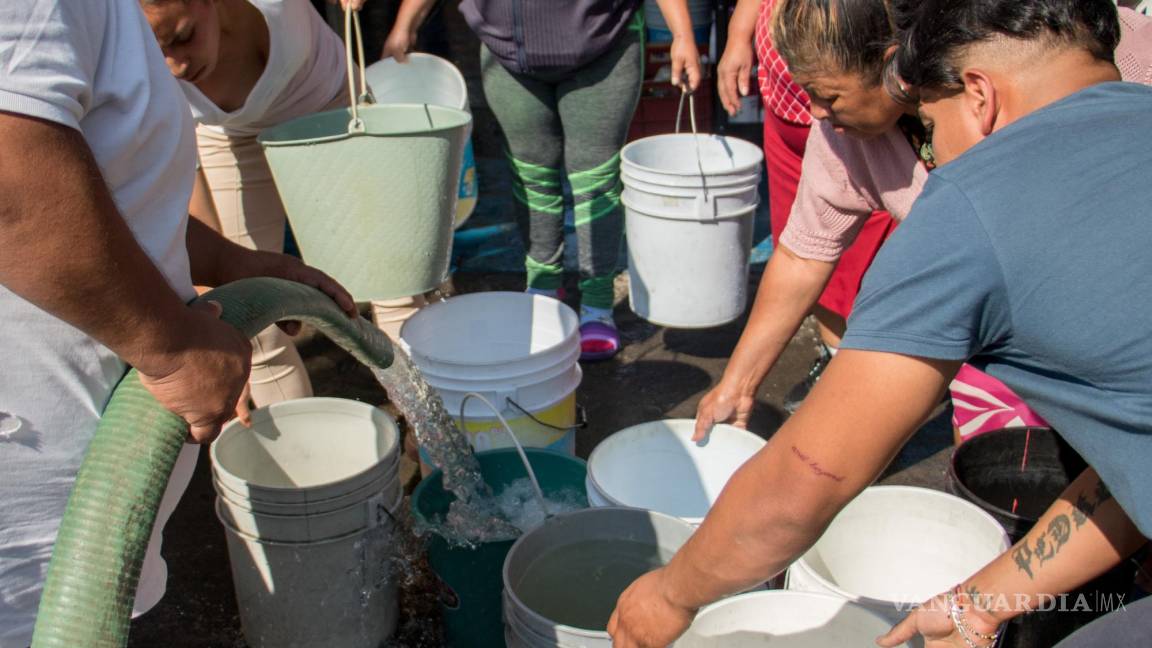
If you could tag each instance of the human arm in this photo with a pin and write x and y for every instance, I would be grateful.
(789, 289)
(735, 66)
(79, 262)
(685, 57)
(409, 17)
(866, 405)
(201, 206)
(1083, 534)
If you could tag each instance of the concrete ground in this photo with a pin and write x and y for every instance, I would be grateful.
(661, 373)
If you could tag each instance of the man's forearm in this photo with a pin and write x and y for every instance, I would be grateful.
(65, 248)
(788, 290)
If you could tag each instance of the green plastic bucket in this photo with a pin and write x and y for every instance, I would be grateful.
(372, 200)
(474, 577)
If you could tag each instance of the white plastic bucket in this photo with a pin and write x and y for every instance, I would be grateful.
(313, 526)
(689, 204)
(527, 628)
(519, 351)
(896, 546)
(656, 466)
(783, 619)
(429, 79)
(335, 592)
(306, 450)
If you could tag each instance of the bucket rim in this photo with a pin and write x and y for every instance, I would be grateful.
(954, 475)
(631, 146)
(532, 615)
(304, 524)
(568, 316)
(728, 429)
(457, 76)
(393, 473)
(741, 213)
(269, 137)
(247, 537)
(355, 497)
(234, 427)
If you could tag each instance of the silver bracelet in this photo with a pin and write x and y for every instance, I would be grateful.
(963, 629)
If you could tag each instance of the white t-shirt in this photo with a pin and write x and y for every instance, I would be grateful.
(91, 65)
(305, 73)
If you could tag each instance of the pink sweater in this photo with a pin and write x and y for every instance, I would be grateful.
(844, 179)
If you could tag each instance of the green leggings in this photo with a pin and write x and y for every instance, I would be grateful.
(576, 123)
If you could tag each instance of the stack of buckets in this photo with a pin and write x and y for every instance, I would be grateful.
(519, 351)
(690, 202)
(308, 497)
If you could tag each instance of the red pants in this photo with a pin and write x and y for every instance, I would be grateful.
(783, 152)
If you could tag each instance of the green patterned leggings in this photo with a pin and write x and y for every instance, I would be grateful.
(575, 124)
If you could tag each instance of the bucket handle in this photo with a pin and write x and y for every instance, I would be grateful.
(352, 29)
(580, 424)
(516, 441)
(706, 209)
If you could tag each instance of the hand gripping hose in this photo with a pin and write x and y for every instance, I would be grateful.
(95, 564)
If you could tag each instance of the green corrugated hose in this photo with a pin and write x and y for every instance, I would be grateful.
(96, 562)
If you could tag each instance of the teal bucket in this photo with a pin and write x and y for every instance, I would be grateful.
(372, 201)
(473, 578)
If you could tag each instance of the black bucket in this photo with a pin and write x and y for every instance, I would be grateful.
(1015, 474)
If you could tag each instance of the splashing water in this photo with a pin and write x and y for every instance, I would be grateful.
(471, 518)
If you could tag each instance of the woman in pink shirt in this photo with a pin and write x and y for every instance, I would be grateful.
(868, 152)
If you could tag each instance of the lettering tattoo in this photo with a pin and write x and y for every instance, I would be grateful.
(815, 466)
(1052, 539)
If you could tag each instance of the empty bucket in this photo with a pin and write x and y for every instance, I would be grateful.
(308, 496)
(784, 619)
(689, 205)
(472, 576)
(1015, 474)
(519, 351)
(895, 546)
(562, 580)
(656, 466)
(429, 79)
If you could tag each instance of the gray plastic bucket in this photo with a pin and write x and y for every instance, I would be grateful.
(372, 204)
(783, 619)
(689, 205)
(334, 592)
(896, 546)
(525, 627)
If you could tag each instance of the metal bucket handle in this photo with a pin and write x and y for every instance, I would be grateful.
(352, 28)
(706, 207)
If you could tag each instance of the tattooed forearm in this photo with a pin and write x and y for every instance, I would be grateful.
(814, 466)
(1031, 554)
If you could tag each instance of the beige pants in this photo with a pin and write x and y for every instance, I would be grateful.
(252, 215)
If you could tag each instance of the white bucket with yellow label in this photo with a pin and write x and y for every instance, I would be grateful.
(518, 351)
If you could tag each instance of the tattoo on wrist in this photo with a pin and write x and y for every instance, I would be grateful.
(814, 466)
(1030, 555)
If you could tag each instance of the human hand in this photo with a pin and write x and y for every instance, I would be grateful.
(733, 73)
(645, 617)
(933, 621)
(400, 41)
(685, 61)
(722, 404)
(243, 263)
(201, 376)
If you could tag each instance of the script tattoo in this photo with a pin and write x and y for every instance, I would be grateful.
(1059, 531)
(815, 466)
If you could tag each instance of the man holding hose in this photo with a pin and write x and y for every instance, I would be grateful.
(1022, 258)
(97, 263)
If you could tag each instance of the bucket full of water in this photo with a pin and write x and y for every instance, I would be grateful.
(308, 496)
(371, 190)
(689, 204)
(1015, 474)
(656, 466)
(785, 619)
(432, 80)
(562, 580)
(895, 546)
(519, 351)
(471, 574)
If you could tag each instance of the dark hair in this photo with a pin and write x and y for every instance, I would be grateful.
(934, 33)
(838, 36)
